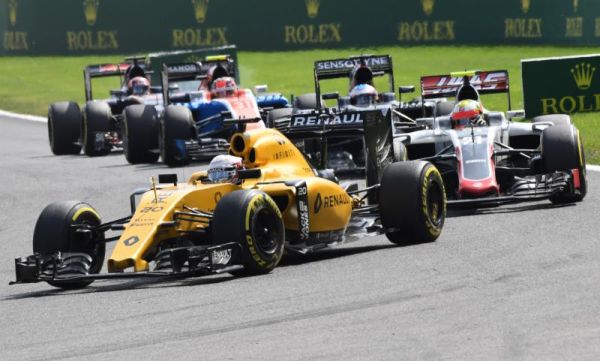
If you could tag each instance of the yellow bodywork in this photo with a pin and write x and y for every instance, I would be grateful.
(279, 160)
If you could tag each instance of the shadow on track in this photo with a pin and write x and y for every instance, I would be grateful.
(116, 286)
(330, 253)
(503, 209)
(47, 156)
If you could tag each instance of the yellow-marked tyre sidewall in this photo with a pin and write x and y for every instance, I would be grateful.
(432, 178)
(54, 233)
(234, 220)
(256, 203)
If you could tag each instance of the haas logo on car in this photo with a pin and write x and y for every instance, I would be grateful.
(312, 120)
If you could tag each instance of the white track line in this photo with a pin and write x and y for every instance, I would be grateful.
(592, 167)
(35, 118)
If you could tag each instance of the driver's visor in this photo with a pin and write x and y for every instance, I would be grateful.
(363, 99)
(139, 89)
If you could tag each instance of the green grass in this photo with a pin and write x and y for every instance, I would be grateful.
(29, 84)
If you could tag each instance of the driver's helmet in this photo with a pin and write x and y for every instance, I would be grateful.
(224, 168)
(466, 112)
(138, 85)
(223, 87)
(363, 95)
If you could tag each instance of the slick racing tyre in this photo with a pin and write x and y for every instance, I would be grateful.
(176, 126)
(140, 134)
(277, 114)
(64, 119)
(412, 202)
(555, 119)
(252, 219)
(400, 153)
(55, 231)
(306, 101)
(562, 151)
(96, 123)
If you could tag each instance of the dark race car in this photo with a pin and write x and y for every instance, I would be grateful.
(98, 126)
(344, 143)
(487, 159)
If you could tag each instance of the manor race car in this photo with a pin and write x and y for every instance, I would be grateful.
(98, 127)
(199, 98)
(344, 143)
(496, 160)
(237, 217)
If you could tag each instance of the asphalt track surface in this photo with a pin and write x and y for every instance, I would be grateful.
(509, 283)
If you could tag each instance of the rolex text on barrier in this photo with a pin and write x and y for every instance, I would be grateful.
(561, 85)
(76, 27)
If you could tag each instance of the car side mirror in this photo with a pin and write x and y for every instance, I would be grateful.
(118, 93)
(261, 89)
(249, 173)
(167, 178)
(405, 90)
(180, 98)
(515, 114)
(330, 96)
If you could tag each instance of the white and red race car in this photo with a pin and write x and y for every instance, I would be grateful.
(499, 161)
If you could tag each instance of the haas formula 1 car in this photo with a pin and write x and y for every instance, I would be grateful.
(271, 201)
(344, 143)
(500, 161)
(98, 127)
(197, 121)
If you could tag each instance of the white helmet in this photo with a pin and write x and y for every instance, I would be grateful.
(363, 95)
(223, 168)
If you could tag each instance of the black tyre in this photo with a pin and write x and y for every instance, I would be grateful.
(400, 153)
(306, 101)
(64, 127)
(140, 134)
(96, 123)
(562, 151)
(252, 219)
(55, 231)
(176, 126)
(555, 119)
(275, 114)
(412, 202)
(443, 108)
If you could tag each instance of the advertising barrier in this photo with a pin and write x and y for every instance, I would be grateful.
(128, 26)
(561, 85)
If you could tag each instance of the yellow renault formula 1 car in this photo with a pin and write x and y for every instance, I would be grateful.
(275, 202)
